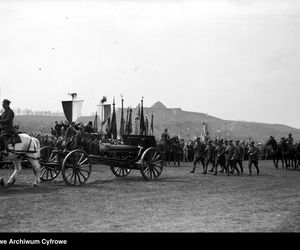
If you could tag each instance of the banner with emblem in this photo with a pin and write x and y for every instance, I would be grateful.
(72, 109)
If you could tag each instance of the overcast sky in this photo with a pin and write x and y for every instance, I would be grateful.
(236, 60)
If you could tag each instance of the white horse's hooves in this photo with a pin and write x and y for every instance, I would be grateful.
(34, 185)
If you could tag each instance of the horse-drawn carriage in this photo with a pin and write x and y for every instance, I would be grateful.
(139, 152)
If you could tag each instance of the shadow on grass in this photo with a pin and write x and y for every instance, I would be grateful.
(27, 189)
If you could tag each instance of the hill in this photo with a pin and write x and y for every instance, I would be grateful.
(186, 124)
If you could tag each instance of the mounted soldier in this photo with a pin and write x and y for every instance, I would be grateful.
(6, 125)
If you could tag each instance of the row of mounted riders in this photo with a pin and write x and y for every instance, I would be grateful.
(288, 154)
(285, 152)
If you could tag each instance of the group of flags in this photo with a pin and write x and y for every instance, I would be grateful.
(107, 117)
(141, 124)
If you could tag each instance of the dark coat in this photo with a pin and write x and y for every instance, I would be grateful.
(6, 122)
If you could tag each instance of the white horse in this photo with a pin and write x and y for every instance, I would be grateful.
(28, 148)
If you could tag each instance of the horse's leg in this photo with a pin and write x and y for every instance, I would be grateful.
(275, 161)
(168, 157)
(286, 162)
(36, 166)
(17, 169)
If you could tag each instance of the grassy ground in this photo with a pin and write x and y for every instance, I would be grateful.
(177, 202)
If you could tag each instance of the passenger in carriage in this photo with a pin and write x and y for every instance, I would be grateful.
(6, 125)
(89, 127)
(70, 135)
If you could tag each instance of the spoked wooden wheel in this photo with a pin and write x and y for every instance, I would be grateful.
(152, 165)
(120, 172)
(76, 167)
(50, 166)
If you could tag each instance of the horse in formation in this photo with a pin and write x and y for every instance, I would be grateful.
(286, 153)
(171, 150)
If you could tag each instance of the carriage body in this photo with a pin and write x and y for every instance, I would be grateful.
(138, 152)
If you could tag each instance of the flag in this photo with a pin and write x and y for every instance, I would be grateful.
(204, 133)
(129, 130)
(114, 131)
(104, 111)
(126, 121)
(72, 109)
(96, 123)
(151, 124)
(108, 128)
(122, 125)
(137, 121)
(142, 120)
(146, 125)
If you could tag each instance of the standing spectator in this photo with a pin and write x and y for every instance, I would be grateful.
(177, 151)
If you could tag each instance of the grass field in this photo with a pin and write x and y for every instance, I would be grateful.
(177, 202)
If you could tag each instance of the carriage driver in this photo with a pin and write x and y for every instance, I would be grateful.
(6, 125)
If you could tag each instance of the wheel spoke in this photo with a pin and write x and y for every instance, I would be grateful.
(82, 155)
(78, 176)
(82, 162)
(85, 178)
(84, 166)
(69, 173)
(155, 170)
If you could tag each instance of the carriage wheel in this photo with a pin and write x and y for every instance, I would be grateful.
(76, 167)
(49, 170)
(152, 165)
(120, 172)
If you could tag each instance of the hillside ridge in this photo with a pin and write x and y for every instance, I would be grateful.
(187, 124)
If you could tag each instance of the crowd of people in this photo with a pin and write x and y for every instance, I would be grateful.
(216, 156)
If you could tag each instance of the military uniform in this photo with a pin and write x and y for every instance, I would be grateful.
(229, 154)
(6, 124)
(253, 154)
(209, 156)
(235, 159)
(220, 157)
(199, 148)
(290, 139)
(177, 152)
(6, 121)
(164, 140)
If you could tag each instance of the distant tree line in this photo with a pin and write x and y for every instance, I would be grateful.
(27, 111)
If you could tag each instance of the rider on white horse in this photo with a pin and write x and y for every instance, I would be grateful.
(25, 147)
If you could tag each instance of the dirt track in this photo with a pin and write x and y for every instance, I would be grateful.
(178, 202)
